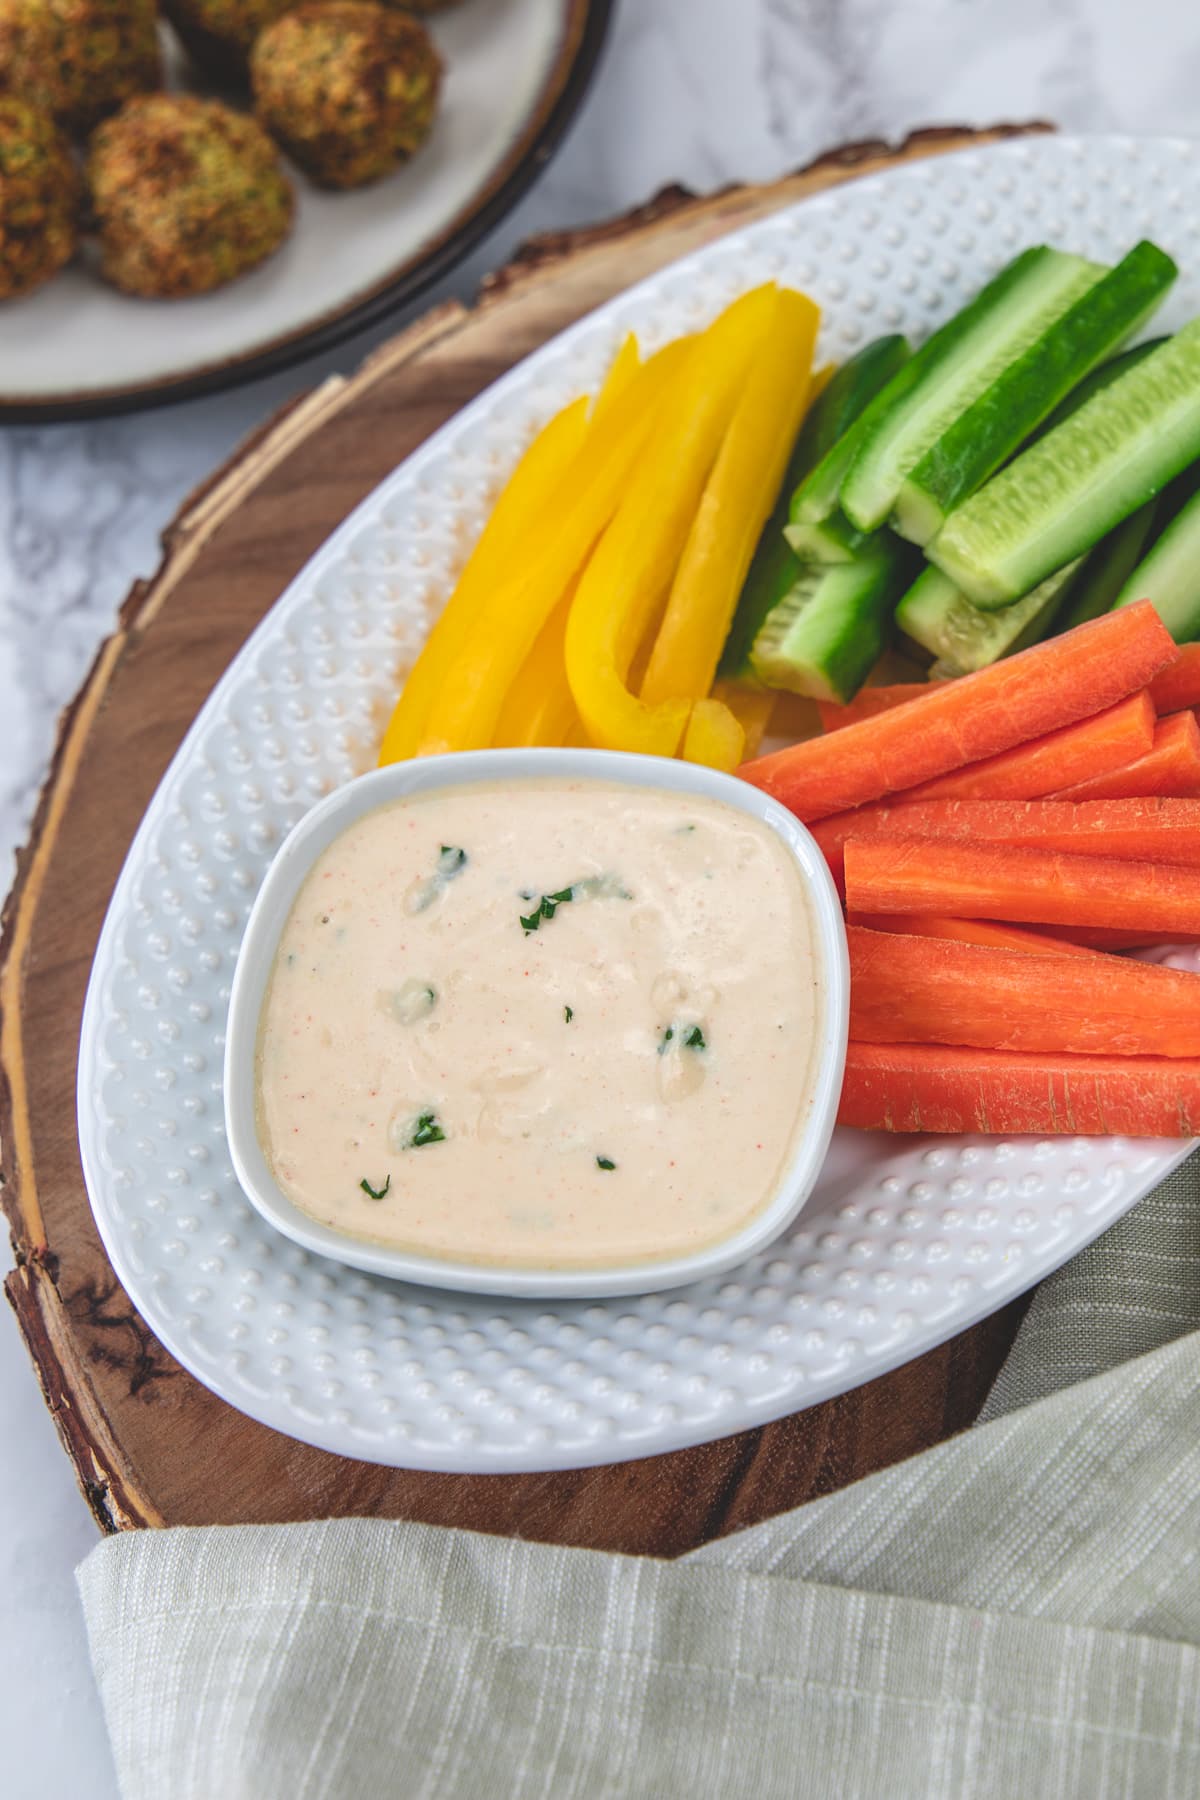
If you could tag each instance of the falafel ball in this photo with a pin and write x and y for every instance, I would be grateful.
(39, 198)
(348, 89)
(186, 193)
(218, 33)
(80, 58)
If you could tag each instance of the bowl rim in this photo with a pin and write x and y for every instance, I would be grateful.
(366, 793)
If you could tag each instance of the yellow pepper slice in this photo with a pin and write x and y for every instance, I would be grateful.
(740, 493)
(632, 565)
(517, 514)
(624, 366)
(751, 707)
(538, 708)
(714, 736)
(506, 625)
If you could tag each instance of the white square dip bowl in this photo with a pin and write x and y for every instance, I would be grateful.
(329, 818)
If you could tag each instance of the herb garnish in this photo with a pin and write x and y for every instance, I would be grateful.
(692, 1035)
(694, 1039)
(605, 1162)
(592, 887)
(568, 1014)
(426, 1131)
(451, 862)
(375, 1193)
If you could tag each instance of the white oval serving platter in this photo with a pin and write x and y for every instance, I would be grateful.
(904, 1242)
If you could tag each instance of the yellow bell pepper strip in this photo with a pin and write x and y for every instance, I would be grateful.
(714, 737)
(538, 708)
(506, 625)
(624, 366)
(517, 514)
(751, 707)
(740, 493)
(631, 567)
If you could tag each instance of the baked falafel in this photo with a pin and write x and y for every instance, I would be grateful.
(186, 194)
(39, 198)
(348, 89)
(218, 33)
(79, 58)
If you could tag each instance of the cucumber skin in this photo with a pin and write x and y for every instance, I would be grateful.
(936, 615)
(831, 540)
(1101, 377)
(1170, 576)
(983, 437)
(775, 568)
(863, 500)
(841, 628)
(858, 382)
(1029, 520)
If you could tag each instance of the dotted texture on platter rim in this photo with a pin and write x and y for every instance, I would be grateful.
(905, 1242)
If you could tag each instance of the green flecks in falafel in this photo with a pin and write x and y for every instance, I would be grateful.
(39, 198)
(78, 58)
(348, 89)
(187, 194)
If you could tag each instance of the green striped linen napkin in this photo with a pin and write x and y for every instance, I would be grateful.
(1011, 1615)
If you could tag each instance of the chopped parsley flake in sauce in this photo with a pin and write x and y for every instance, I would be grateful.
(568, 1014)
(605, 1162)
(591, 887)
(426, 1131)
(375, 1193)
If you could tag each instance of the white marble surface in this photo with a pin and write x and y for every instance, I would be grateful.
(703, 91)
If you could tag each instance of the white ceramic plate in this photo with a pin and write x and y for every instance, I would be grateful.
(516, 71)
(905, 1241)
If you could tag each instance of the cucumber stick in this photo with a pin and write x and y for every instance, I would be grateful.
(1104, 570)
(942, 620)
(776, 567)
(995, 425)
(844, 402)
(826, 634)
(951, 369)
(828, 540)
(1074, 485)
(1170, 576)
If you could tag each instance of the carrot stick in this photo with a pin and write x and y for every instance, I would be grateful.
(930, 1087)
(868, 703)
(916, 990)
(1035, 887)
(1178, 685)
(1111, 739)
(1170, 767)
(1148, 830)
(972, 931)
(1042, 689)
(1099, 937)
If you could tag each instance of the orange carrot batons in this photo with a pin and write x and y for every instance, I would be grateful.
(1033, 887)
(1171, 766)
(936, 991)
(1040, 690)
(930, 1087)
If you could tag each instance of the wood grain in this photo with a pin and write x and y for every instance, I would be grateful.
(149, 1444)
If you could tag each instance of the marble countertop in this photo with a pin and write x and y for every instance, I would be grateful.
(700, 91)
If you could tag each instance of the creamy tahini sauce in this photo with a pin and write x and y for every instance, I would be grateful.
(621, 1081)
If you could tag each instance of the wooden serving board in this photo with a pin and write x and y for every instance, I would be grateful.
(149, 1444)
